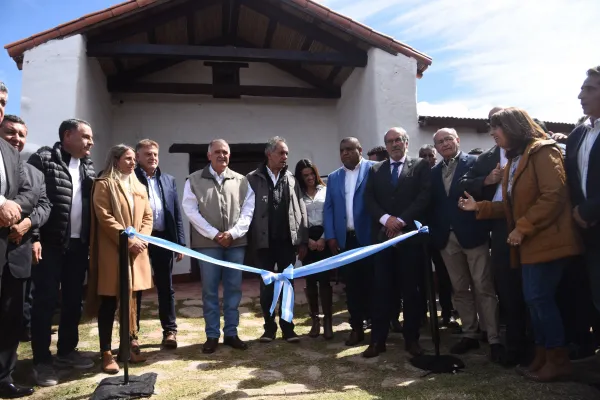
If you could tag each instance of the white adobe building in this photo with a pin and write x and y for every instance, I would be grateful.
(183, 72)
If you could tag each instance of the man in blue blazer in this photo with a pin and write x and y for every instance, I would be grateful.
(464, 245)
(168, 224)
(348, 226)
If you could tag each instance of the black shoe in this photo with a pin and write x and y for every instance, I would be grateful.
(356, 336)
(396, 326)
(25, 335)
(291, 337)
(269, 335)
(497, 353)
(464, 345)
(12, 391)
(511, 358)
(235, 342)
(367, 324)
(374, 349)
(414, 349)
(210, 345)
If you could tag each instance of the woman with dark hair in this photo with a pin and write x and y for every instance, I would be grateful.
(542, 235)
(119, 201)
(314, 190)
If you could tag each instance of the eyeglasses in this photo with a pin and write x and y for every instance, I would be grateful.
(398, 140)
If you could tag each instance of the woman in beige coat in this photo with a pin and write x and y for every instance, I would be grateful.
(119, 201)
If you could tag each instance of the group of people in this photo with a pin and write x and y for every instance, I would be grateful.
(506, 228)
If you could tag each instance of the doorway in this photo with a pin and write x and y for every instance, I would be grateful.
(246, 157)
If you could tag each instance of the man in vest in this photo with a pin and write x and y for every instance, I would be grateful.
(219, 204)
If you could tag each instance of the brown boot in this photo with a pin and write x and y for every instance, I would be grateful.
(312, 297)
(557, 366)
(327, 303)
(136, 356)
(538, 362)
(109, 365)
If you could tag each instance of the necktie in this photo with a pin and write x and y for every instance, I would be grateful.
(395, 176)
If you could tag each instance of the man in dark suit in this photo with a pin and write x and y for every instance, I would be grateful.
(25, 236)
(168, 225)
(397, 194)
(15, 200)
(583, 175)
(464, 244)
(347, 226)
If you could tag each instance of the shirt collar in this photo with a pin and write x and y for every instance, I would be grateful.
(357, 168)
(214, 173)
(452, 160)
(146, 175)
(401, 161)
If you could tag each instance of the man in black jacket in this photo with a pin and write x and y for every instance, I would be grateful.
(397, 194)
(26, 235)
(16, 200)
(168, 225)
(69, 173)
(583, 173)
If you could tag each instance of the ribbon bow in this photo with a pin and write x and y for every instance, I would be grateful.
(282, 284)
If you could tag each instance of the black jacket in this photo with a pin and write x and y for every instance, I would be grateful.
(170, 201)
(409, 200)
(472, 181)
(54, 164)
(19, 190)
(589, 208)
(19, 256)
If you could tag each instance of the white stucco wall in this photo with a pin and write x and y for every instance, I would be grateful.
(61, 82)
(469, 139)
(380, 96)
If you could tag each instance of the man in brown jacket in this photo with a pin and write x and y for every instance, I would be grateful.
(279, 227)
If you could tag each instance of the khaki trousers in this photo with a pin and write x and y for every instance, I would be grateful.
(473, 284)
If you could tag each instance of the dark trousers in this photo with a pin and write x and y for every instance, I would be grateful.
(592, 262)
(11, 320)
(359, 282)
(64, 269)
(443, 282)
(28, 302)
(509, 289)
(106, 319)
(575, 304)
(322, 278)
(398, 267)
(162, 265)
(283, 254)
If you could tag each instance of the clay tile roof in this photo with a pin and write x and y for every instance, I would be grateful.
(363, 32)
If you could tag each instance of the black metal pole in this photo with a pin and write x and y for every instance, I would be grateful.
(124, 302)
(429, 282)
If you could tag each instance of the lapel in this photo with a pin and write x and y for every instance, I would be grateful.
(409, 162)
(364, 169)
(129, 205)
(460, 170)
(386, 172)
(8, 167)
(342, 182)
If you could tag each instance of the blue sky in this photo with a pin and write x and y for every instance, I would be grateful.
(532, 54)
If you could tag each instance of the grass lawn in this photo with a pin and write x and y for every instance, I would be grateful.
(313, 369)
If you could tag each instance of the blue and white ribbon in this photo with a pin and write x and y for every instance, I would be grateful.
(283, 287)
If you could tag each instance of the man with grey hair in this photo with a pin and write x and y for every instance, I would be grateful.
(279, 227)
(219, 204)
(464, 244)
(396, 195)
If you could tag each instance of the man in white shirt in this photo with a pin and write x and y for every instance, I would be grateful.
(219, 204)
(583, 175)
(348, 226)
(69, 173)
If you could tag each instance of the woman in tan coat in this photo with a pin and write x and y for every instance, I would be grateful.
(542, 233)
(119, 201)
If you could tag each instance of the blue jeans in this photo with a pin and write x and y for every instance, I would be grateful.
(540, 283)
(232, 290)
